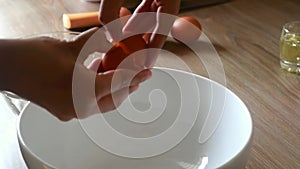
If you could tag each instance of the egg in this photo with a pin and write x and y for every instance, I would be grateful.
(186, 29)
(122, 50)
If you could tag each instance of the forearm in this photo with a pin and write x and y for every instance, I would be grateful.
(22, 60)
(8, 51)
(15, 54)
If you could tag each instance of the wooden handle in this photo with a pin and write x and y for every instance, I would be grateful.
(78, 20)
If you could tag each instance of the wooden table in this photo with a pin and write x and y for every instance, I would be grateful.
(244, 33)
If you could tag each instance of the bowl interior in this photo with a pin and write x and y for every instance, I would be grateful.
(188, 121)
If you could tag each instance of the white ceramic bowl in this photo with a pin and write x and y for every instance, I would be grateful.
(219, 138)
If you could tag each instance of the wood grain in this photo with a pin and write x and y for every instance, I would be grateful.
(246, 37)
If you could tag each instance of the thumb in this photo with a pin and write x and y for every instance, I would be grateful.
(112, 81)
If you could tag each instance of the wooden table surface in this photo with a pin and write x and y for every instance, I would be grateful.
(246, 37)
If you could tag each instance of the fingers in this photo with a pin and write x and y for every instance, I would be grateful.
(112, 81)
(159, 23)
(169, 7)
(109, 11)
(166, 11)
(108, 102)
(114, 100)
(144, 6)
(141, 22)
(111, 89)
(94, 65)
(158, 37)
(162, 28)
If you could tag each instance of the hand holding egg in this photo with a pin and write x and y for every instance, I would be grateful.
(185, 30)
(121, 51)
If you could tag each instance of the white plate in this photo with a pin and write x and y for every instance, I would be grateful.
(179, 121)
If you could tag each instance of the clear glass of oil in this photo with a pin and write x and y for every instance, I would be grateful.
(290, 47)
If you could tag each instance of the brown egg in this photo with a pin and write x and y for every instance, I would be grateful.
(122, 50)
(186, 29)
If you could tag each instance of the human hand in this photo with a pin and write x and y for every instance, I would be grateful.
(109, 11)
(41, 70)
(160, 25)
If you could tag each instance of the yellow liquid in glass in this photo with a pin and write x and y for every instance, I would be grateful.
(290, 52)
